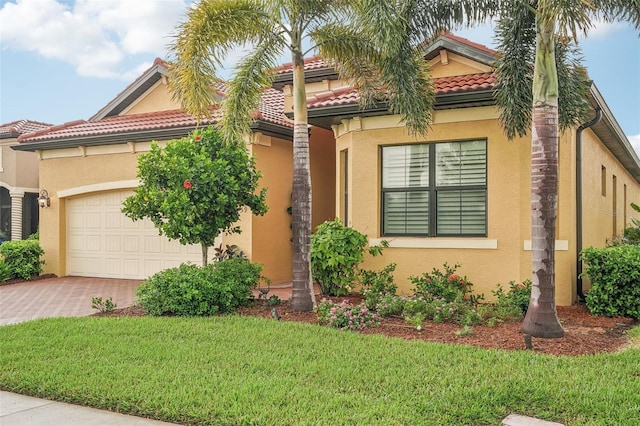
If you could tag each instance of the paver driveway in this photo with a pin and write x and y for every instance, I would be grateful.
(61, 297)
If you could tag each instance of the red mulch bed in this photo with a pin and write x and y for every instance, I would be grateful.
(36, 278)
(584, 333)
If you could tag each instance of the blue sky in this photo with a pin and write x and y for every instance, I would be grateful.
(63, 60)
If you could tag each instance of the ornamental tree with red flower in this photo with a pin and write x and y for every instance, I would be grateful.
(224, 181)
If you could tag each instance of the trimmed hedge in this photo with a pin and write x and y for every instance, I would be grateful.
(615, 280)
(191, 290)
(22, 258)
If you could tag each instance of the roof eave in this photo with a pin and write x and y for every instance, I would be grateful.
(110, 139)
(613, 137)
(264, 127)
(310, 76)
(327, 116)
(132, 92)
(272, 129)
(462, 49)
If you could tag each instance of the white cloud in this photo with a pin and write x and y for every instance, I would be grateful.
(602, 29)
(635, 143)
(96, 37)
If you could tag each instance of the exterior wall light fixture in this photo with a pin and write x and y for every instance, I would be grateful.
(44, 200)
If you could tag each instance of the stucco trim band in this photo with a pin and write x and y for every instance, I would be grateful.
(438, 243)
(561, 245)
(106, 186)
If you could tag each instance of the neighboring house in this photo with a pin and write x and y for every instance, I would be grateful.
(460, 194)
(18, 182)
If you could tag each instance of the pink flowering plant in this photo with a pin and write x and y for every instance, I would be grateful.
(445, 284)
(345, 316)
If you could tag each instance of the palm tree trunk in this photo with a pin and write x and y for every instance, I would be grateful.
(302, 297)
(542, 319)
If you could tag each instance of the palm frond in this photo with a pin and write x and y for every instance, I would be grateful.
(573, 85)
(202, 43)
(516, 37)
(619, 10)
(571, 18)
(352, 55)
(253, 75)
(400, 66)
(432, 17)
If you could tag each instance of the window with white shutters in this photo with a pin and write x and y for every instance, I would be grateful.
(437, 189)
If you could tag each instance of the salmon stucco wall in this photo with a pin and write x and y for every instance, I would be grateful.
(271, 233)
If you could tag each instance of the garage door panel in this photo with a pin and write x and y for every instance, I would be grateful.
(131, 243)
(103, 242)
(152, 244)
(113, 243)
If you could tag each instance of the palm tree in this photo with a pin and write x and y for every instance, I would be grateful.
(546, 98)
(329, 27)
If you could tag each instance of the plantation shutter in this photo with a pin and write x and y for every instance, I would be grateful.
(461, 180)
(405, 178)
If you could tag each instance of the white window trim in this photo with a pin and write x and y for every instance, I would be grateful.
(561, 245)
(438, 243)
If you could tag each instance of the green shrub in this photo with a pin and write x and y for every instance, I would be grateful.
(632, 235)
(389, 304)
(518, 295)
(23, 258)
(103, 305)
(615, 280)
(375, 284)
(446, 285)
(336, 252)
(191, 290)
(5, 271)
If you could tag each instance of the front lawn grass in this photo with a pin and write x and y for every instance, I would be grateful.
(244, 370)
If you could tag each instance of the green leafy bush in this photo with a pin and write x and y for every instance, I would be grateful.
(191, 290)
(375, 284)
(517, 297)
(23, 258)
(336, 252)
(103, 305)
(345, 316)
(389, 304)
(615, 280)
(446, 285)
(632, 233)
(5, 271)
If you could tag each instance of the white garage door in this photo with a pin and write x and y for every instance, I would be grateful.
(103, 242)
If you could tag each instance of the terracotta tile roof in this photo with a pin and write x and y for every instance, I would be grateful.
(17, 128)
(469, 43)
(464, 83)
(314, 62)
(271, 111)
(444, 85)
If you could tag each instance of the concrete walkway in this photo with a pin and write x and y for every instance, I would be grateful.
(21, 410)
